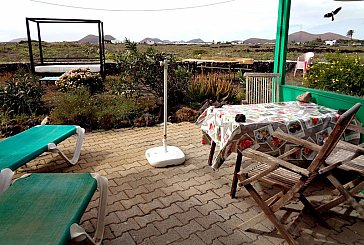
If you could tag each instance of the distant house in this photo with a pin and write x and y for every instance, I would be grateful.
(108, 38)
(237, 42)
(330, 42)
(150, 42)
(115, 41)
(147, 41)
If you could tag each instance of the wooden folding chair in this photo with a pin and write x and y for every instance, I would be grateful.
(346, 157)
(350, 159)
(292, 179)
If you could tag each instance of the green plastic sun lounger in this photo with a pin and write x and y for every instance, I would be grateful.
(45, 208)
(19, 149)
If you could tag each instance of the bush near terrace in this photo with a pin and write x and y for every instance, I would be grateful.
(133, 97)
(341, 74)
(130, 99)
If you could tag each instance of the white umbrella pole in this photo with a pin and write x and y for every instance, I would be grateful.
(165, 65)
(163, 156)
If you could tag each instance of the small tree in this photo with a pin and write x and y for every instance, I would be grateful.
(350, 34)
(140, 71)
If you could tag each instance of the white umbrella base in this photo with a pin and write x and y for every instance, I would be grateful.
(158, 157)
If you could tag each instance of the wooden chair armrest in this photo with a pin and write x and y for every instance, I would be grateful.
(347, 146)
(265, 158)
(297, 141)
(244, 181)
(356, 128)
(330, 167)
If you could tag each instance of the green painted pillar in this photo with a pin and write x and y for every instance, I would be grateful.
(280, 52)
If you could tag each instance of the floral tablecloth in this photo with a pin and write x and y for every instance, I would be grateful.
(305, 120)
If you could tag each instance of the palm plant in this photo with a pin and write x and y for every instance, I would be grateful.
(350, 34)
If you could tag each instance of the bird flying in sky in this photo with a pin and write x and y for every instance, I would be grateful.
(332, 13)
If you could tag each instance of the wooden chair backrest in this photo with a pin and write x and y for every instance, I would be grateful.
(261, 87)
(335, 136)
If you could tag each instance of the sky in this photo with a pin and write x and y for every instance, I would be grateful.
(217, 20)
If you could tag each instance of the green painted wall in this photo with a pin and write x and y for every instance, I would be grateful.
(325, 98)
(288, 92)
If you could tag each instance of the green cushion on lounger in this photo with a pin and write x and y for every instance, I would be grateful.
(19, 149)
(40, 208)
(50, 78)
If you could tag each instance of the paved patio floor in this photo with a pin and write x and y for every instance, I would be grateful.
(186, 204)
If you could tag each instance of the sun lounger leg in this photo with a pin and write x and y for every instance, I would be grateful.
(53, 147)
(77, 232)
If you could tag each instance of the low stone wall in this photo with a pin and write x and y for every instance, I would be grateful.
(264, 66)
(267, 66)
(111, 68)
(12, 67)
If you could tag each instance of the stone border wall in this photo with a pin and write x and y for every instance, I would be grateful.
(12, 67)
(110, 68)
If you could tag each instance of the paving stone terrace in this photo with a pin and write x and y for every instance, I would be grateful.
(186, 204)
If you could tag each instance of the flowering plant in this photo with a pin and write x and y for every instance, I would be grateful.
(341, 74)
(80, 77)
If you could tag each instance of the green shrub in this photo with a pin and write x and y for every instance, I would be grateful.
(342, 74)
(122, 86)
(198, 52)
(94, 111)
(213, 88)
(80, 77)
(21, 95)
(178, 79)
(116, 111)
(240, 95)
(141, 72)
(14, 124)
(76, 107)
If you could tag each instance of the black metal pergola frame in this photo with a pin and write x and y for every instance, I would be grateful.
(43, 60)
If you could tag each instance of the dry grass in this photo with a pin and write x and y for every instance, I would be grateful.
(18, 52)
(5, 77)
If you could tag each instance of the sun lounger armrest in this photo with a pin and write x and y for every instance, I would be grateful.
(77, 232)
(5, 178)
(297, 141)
(53, 147)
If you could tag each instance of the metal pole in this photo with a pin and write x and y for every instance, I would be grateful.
(280, 53)
(40, 44)
(165, 64)
(30, 47)
(103, 50)
(100, 49)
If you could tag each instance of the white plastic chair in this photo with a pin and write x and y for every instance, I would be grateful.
(303, 62)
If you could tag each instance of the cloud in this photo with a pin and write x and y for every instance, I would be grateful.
(234, 20)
